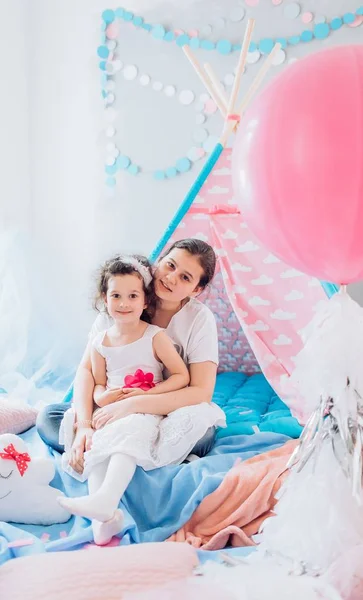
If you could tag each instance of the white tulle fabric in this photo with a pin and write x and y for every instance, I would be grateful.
(319, 515)
(317, 518)
(333, 347)
(38, 350)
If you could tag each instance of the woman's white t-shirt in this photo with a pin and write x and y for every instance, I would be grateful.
(193, 330)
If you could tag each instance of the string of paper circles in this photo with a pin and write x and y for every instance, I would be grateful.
(110, 64)
(320, 31)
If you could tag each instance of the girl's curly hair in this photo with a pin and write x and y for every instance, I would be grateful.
(117, 266)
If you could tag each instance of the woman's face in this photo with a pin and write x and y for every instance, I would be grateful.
(177, 276)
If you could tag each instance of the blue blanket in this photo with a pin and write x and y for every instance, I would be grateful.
(250, 405)
(156, 503)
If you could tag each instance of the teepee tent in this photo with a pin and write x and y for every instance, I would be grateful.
(261, 305)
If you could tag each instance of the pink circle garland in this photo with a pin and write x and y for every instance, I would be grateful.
(113, 31)
(307, 17)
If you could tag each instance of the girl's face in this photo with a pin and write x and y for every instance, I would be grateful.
(125, 298)
(177, 276)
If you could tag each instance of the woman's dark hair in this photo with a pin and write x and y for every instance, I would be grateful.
(203, 251)
(119, 266)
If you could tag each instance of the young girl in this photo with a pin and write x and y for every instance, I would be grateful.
(131, 355)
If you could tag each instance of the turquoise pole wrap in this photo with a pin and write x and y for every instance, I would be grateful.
(69, 394)
(187, 202)
(329, 288)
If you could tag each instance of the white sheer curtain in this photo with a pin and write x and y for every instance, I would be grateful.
(38, 354)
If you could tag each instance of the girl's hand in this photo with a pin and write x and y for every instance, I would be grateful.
(112, 412)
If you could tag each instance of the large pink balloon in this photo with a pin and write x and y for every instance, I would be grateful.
(298, 165)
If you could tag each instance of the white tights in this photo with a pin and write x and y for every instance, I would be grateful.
(107, 483)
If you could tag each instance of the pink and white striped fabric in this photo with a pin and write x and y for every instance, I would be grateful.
(261, 304)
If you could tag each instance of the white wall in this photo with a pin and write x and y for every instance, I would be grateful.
(64, 125)
(14, 138)
(71, 218)
(71, 214)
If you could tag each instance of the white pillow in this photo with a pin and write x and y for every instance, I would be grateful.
(26, 496)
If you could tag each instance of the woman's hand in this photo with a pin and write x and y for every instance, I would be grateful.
(81, 443)
(130, 392)
(112, 412)
(110, 396)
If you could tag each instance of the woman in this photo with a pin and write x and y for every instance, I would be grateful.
(181, 274)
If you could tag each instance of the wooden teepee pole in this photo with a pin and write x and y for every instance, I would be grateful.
(250, 92)
(240, 68)
(205, 80)
(210, 81)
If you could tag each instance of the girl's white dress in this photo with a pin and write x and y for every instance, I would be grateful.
(153, 441)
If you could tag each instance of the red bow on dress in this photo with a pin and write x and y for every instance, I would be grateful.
(21, 459)
(144, 381)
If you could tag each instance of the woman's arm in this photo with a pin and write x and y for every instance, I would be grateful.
(168, 356)
(202, 382)
(83, 405)
(83, 388)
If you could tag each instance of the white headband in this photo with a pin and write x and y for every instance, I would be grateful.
(139, 267)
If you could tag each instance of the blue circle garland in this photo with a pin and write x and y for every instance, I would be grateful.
(320, 31)
(265, 46)
(223, 46)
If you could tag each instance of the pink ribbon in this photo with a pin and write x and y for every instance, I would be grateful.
(216, 209)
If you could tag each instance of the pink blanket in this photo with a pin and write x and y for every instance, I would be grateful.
(235, 511)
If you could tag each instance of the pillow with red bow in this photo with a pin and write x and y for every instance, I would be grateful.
(25, 493)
